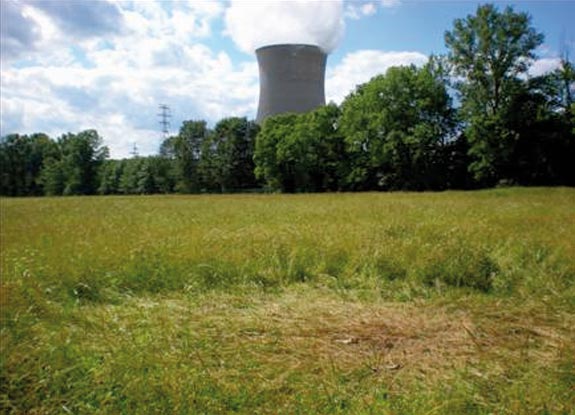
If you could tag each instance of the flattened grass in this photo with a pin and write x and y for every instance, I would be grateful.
(347, 303)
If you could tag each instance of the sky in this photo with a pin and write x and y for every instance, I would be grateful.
(71, 65)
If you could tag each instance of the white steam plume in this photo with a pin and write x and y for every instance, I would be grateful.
(253, 24)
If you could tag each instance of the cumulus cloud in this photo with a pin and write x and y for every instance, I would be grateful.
(390, 3)
(31, 25)
(82, 18)
(115, 83)
(254, 24)
(113, 78)
(359, 67)
(544, 65)
(357, 10)
(121, 102)
(18, 32)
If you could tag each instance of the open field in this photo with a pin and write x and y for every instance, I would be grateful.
(391, 303)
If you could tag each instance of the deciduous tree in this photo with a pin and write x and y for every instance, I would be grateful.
(395, 126)
(227, 155)
(491, 52)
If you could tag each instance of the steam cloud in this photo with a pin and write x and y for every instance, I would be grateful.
(253, 24)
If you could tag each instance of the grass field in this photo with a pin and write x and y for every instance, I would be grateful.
(391, 303)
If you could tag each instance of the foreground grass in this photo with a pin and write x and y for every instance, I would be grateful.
(352, 303)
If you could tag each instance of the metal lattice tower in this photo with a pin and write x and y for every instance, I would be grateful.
(165, 115)
(134, 153)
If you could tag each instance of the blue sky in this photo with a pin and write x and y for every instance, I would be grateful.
(69, 65)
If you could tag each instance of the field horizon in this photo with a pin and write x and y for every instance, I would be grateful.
(455, 302)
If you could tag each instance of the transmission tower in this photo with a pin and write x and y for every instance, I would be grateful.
(134, 153)
(165, 115)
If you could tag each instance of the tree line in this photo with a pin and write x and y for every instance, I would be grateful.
(399, 131)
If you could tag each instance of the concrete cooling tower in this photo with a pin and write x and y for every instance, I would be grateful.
(291, 79)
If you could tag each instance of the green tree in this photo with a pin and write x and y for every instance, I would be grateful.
(129, 179)
(227, 156)
(491, 51)
(110, 175)
(162, 172)
(75, 168)
(53, 177)
(185, 149)
(145, 180)
(284, 154)
(301, 152)
(327, 159)
(564, 79)
(21, 161)
(540, 115)
(139, 175)
(395, 127)
(272, 165)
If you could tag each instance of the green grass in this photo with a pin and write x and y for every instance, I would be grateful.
(391, 303)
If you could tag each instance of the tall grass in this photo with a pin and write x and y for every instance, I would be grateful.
(455, 302)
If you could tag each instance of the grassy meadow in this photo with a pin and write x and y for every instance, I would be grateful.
(374, 303)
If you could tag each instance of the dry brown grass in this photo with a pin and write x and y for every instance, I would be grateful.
(317, 334)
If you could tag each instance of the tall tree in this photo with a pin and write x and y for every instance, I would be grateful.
(110, 176)
(272, 165)
(490, 52)
(187, 147)
(395, 126)
(302, 152)
(227, 155)
(53, 177)
(564, 77)
(74, 169)
(162, 173)
(327, 161)
(540, 114)
(21, 161)
(128, 183)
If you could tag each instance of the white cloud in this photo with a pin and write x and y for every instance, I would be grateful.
(357, 10)
(368, 9)
(115, 84)
(32, 26)
(18, 33)
(390, 3)
(121, 102)
(253, 24)
(359, 67)
(544, 65)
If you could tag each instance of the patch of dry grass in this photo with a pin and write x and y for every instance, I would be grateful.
(304, 350)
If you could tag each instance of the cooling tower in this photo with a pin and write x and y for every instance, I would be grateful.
(291, 79)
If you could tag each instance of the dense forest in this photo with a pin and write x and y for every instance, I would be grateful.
(470, 119)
